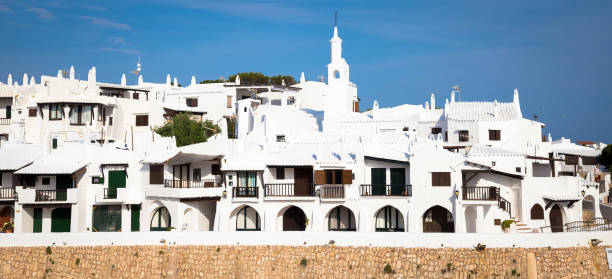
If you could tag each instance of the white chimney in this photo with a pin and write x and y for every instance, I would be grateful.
(193, 80)
(25, 79)
(32, 81)
(168, 79)
(140, 82)
(175, 82)
(123, 80)
(237, 82)
(59, 73)
(71, 72)
(452, 97)
(495, 109)
(9, 81)
(302, 78)
(93, 75)
(433, 101)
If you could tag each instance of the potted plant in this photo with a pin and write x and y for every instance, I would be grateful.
(8, 227)
(505, 225)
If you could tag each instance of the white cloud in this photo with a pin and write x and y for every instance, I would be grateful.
(5, 9)
(107, 23)
(40, 12)
(94, 7)
(121, 50)
(117, 40)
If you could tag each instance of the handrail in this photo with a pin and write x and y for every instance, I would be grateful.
(5, 121)
(110, 193)
(7, 193)
(289, 190)
(203, 183)
(399, 190)
(332, 191)
(505, 205)
(51, 195)
(480, 193)
(245, 192)
(590, 225)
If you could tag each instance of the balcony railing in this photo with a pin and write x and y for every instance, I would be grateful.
(5, 121)
(289, 190)
(394, 190)
(110, 193)
(204, 183)
(7, 193)
(51, 195)
(245, 192)
(332, 191)
(480, 193)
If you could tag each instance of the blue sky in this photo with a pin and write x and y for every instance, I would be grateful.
(557, 53)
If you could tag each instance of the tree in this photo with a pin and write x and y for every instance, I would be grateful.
(186, 130)
(606, 157)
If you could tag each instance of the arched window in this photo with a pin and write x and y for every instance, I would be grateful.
(537, 212)
(160, 220)
(341, 219)
(389, 219)
(247, 219)
(336, 74)
(438, 219)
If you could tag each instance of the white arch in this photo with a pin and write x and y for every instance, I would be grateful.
(234, 214)
(402, 224)
(352, 215)
(279, 217)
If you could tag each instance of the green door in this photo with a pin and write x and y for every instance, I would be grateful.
(379, 181)
(106, 218)
(398, 182)
(37, 220)
(62, 184)
(54, 144)
(60, 220)
(136, 217)
(116, 179)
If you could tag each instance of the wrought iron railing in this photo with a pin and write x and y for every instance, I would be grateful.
(335, 191)
(505, 205)
(591, 225)
(110, 193)
(203, 183)
(51, 195)
(480, 193)
(393, 190)
(289, 190)
(7, 193)
(245, 192)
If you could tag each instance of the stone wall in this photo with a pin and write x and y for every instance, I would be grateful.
(300, 262)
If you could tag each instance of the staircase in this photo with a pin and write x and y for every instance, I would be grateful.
(521, 227)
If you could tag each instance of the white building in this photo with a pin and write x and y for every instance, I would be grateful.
(304, 158)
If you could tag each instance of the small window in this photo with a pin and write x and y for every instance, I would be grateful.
(280, 138)
(229, 102)
(518, 169)
(537, 213)
(436, 130)
(197, 174)
(336, 74)
(216, 170)
(440, 179)
(135, 96)
(46, 181)
(32, 112)
(191, 102)
(493, 163)
(156, 174)
(464, 136)
(55, 112)
(54, 143)
(142, 120)
(494, 135)
(97, 180)
(110, 121)
(406, 129)
(280, 173)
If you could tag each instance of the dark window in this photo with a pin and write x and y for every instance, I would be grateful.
(97, 180)
(586, 160)
(537, 213)
(110, 121)
(46, 181)
(566, 173)
(445, 135)
(333, 176)
(436, 130)
(32, 112)
(440, 179)
(8, 112)
(142, 120)
(156, 174)
(571, 160)
(216, 170)
(464, 136)
(54, 143)
(280, 173)
(280, 138)
(518, 169)
(197, 174)
(192, 102)
(55, 112)
(135, 96)
(406, 129)
(495, 135)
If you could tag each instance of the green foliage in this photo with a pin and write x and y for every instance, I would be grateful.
(231, 126)
(253, 78)
(187, 131)
(49, 250)
(388, 269)
(505, 225)
(304, 262)
(211, 81)
(78, 261)
(606, 157)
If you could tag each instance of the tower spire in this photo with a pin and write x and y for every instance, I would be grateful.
(336, 19)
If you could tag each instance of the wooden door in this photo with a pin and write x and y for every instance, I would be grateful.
(62, 184)
(438, 219)
(398, 181)
(60, 220)
(556, 219)
(379, 181)
(37, 224)
(5, 215)
(303, 181)
(294, 220)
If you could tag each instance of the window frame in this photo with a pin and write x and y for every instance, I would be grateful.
(494, 135)
(464, 135)
(437, 180)
(140, 123)
(56, 112)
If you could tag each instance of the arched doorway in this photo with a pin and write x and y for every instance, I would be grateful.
(60, 219)
(161, 220)
(537, 212)
(294, 219)
(470, 220)
(6, 216)
(389, 219)
(588, 208)
(438, 219)
(247, 219)
(556, 219)
(341, 219)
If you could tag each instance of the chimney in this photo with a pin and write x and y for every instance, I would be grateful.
(302, 78)
(123, 80)
(59, 73)
(25, 79)
(71, 72)
(175, 82)
(32, 81)
(9, 81)
(237, 81)
(168, 79)
(193, 80)
(140, 82)
(433, 101)
(452, 97)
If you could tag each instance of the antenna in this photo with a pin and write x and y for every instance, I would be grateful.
(336, 19)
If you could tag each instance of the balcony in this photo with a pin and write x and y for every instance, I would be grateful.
(289, 190)
(111, 195)
(381, 190)
(245, 192)
(480, 193)
(332, 191)
(203, 183)
(33, 196)
(7, 194)
(5, 121)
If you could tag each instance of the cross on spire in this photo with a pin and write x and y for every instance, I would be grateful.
(336, 19)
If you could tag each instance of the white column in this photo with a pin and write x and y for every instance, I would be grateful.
(46, 219)
(126, 218)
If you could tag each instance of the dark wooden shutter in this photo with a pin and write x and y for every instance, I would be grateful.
(537, 213)
(571, 160)
(142, 120)
(588, 160)
(136, 96)
(440, 179)
(215, 169)
(280, 173)
(347, 177)
(494, 135)
(32, 112)
(229, 101)
(135, 217)
(319, 176)
(156, 174)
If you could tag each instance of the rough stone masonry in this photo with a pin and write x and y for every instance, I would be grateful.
(327, 261)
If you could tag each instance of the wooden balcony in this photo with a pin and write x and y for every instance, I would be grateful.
(480, 193)
(381, 190)
(332, 191)
(5, 121)
(7, 193)
(204, 183)
(289, 190)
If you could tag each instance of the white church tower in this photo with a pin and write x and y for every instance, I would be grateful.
(340, 92)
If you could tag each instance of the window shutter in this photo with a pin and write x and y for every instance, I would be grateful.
(142, 120)
(156, 174)
(347, 177)
(319, 176)
(229, 101)
(440, 179)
